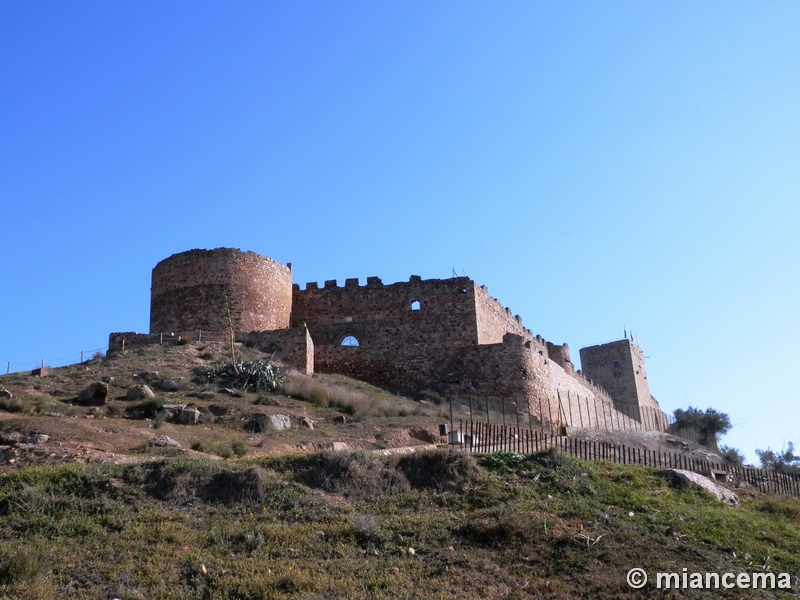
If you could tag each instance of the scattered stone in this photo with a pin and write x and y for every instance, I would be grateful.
(273, 422)
(12, 437)
(398, 539)
(4, 393)
(39, 438)
(411, 551)
(172, 385)
(218, 410)
(108, 380)
(94, 395)
(690, 479)
(172, 411)
(51, 414)
(189, 416)
(140, 392)
(337, 446)
(230, 392)
(305, 422)
(340, 419)
(202, 395)
(268, 401)
(148, 376)
(164, 442)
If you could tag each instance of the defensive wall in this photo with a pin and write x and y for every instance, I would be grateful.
(447, 335)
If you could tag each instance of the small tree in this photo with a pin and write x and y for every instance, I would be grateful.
(731, 456)
(785, 461)
(710, 424)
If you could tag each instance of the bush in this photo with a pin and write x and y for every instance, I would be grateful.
(147, 409)
(22, 566)
(440, 469)
(356, 474)
(239, 449)
(785, 461)
(710, 424)
(253, 375)
(11, 405)
(431, 396)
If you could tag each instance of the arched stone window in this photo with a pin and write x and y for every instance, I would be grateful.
(349, 340)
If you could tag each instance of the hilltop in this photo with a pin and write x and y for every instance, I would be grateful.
(96, 511)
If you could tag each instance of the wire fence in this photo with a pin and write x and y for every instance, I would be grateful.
(484, 438)
(64, 361)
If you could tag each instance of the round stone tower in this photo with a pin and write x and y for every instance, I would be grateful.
(190, 291)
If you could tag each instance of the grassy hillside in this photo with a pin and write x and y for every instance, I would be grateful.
(353, 525)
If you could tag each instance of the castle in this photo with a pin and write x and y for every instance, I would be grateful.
(444, 335)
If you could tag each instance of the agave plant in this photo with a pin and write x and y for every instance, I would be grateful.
(253, 375)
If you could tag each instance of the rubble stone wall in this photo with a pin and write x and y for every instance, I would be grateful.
(190, 291)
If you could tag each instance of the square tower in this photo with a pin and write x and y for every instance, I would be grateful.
(618, 367)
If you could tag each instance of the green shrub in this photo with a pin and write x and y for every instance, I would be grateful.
(239, 449)
(12, 406)
(253, 375)
(147, 409)
(431, 396)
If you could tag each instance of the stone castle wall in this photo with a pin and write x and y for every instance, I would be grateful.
(190, 291)
(447, 335)
(435, 313)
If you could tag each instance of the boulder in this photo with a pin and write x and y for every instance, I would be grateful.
(12, 437)
(140, 392)
(172, 385)
(148, 376)
(172, 411)
(39, 438)
(107, 379)
(690, 479)
(164, 442)
(94, 395)
(340, 419)
(189, 416)
(305, 422)
(4, 393)
(273, 422)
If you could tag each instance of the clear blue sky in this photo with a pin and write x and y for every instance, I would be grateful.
(599, 165)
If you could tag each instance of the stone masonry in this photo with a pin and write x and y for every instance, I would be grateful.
(447, 335)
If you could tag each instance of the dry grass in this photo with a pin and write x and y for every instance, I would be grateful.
(357, 403)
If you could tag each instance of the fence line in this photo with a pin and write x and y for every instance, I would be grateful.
(64, 361)
(484, 438)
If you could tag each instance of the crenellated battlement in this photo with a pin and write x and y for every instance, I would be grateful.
(444, 334)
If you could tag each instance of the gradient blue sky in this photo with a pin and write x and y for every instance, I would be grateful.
(599, 165)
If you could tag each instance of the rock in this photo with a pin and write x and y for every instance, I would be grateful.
(305, 422)
(202, 395)
(218, 410)
(164, 442)
(172, 411)
(39, 438)
(139, 392)
(4, 393)
(337, 446)
(230, 392)
(690, 479)
(273, 422)
(12, 437)
(108, 380)
(172, 385)
(94, 395)
(148, 376)
(340, 419)
(189, 416)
